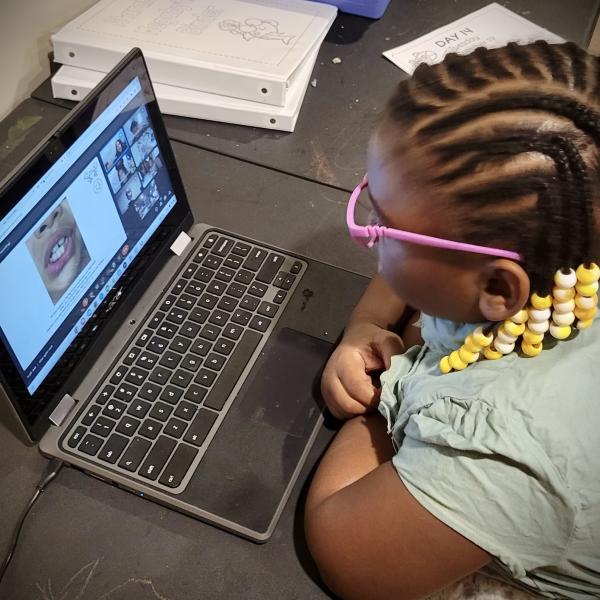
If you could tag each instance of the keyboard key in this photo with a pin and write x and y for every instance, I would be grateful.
(189, 271)
(139, 408)
(181, 378)
(190, 329)
(260, 323)
(214, 361)
(278, 281)
(267, 309)
(203, 274)
(232, 331)
(180, 344)
(208, 301)
(235, 365)
(103, 426)
(160, 375)
(233, 261)
(209, 242)
(113, 448)
(249, 302)
(178, 466)
(198, 315)
(224, 346)
(210, 332)
(201, 347)
(255, 259)
(91, 414)
(219, 317)
(186, 301)
(175, 427)
(91, 444)
(200, 255)
(258, 289)
(76, 437)
(118, 375)
(144, 337)
(147, 360)
(157, 344)
(131, 355)
(244, 276)
(167, 304)
(227, 303)
(216, 287)
(288, 281)
(179, 287)
(279, 296)
(134, 454)
(225, 274)
(296, 268)
(176, 316)
(170, 359)
(150, 391)
(156, 320)
(236, 290)
(185, 410)
(114, 409)
(223, 246)
(171, 394)
(241, 249)
(195, 393)
(157, 457)
(212, 261)
(195, 288)
(270, 268)
(128, 425)
(191, 362)
(205, 377)
(168, 330)
(161, 411)
(105, 394)
(200, 426)
(150, 429)
(126, 392)
(136, 375)
(242, 317)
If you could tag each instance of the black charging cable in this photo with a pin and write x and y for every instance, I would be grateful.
(52, 470)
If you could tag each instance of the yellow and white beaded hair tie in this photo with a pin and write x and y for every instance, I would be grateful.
(573, 303)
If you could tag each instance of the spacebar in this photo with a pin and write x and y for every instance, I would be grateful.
(233, 369)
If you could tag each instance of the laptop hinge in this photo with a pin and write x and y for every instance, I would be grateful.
(61, 412)
(180, 244)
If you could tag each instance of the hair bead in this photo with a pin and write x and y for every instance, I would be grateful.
(565, 280)
(563, 294)
(540, 302)
(537, 315)
(560, 332)
(531, 349)
(584, 324)
(587, 275)
(515, 329)
(586, 302)
(562, 319)
(539, 326)
(506, 338)
(456, 361)
(520, 317)
(502, 347)
(586, 314)
(445, 365)
(532, 337)
(467, 356)
(491, 353)
(587, 289)
(564, 307)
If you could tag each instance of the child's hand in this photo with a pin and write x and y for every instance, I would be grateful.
(346, 384)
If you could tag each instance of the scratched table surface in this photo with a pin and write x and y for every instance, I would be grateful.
(337, 115)
(85, 539)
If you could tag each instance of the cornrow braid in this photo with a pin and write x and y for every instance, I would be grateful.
(492, 163)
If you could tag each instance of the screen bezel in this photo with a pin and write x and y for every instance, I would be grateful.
(34, 409)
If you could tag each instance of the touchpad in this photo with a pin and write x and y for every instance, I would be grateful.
(280, 392)
(244, 475)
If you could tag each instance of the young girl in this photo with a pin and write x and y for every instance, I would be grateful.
(484, 179)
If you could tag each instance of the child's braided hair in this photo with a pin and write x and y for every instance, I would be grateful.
(513, 135)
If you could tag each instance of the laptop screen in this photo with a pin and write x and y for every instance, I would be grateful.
(72, 237)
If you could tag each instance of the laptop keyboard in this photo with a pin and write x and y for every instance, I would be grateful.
(163, 402)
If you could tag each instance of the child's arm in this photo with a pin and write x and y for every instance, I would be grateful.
(367, 345)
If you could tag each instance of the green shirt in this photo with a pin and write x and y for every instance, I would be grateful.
(507, 453)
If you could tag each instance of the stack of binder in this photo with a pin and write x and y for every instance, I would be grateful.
(240, 61)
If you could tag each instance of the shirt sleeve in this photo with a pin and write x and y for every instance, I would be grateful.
(482, 473)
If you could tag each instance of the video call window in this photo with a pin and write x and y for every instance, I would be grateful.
(58, 250)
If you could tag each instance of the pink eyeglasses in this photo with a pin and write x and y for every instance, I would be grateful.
(368, 235)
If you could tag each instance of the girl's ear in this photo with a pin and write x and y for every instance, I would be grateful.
(504, 289)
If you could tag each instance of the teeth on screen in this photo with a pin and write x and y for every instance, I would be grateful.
(58, 250)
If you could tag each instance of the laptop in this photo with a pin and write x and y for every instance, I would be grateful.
(178, 361)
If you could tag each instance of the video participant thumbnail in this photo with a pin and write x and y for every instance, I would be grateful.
(58, 250)
(136, 124)
(111, 153)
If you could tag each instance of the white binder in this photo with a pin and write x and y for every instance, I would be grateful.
(249, 49)
(72, 83)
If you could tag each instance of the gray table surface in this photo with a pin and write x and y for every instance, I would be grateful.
(338, 114)
(86, 539)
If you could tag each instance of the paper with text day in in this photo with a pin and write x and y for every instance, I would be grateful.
(491, 26)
